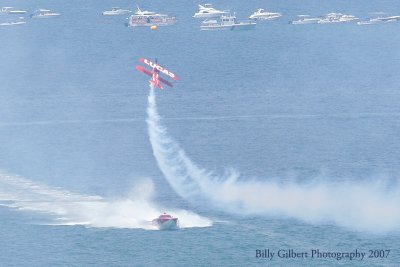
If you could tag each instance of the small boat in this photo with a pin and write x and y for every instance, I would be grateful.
(149, 18)
(305, 19)
(208, 11)
(379, 20)
(227, 22)
(116, 11)
(19, 21)
(391, 18)
(43, 14)
(166, 222)
(386, 19)
(337, 18)
(348, 18)
(367, 22)
(11, 10)
(261, 14)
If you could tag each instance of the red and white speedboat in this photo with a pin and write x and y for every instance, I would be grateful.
(166, 222)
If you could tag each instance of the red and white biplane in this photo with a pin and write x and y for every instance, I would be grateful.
(156, 80)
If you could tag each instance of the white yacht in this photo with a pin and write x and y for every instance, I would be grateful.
(393, 18)
(347, 18)
(337, 18)
(367, 22)
(116, 11)
(304, 19)
(387, 19)
(379, 20)
(207, 11)
(43, 14)
(19, 21)
(261, 14)
(227, 22)
(150, 18)
(11, 10)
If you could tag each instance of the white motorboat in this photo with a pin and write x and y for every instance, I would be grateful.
(11, 10)
(387, 19)
(227, 22)
(261, 14)
(379, 20)
(116, 11)
(393, 18)
(43, 14)
(150, 18)
(304, 19)
(207, 11)
(347, 18)
(19, 21)
(367, 22)
(337, 18)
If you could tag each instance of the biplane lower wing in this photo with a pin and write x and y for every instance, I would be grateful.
(165, 81)
(140, 68)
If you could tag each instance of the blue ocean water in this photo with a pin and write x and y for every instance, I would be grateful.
(284, 137)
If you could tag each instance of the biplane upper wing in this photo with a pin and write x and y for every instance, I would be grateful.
(147, 72)
(159, 68)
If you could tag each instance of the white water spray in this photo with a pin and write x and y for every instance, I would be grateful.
(371, 206)
(135, 211)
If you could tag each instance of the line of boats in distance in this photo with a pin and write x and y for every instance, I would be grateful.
(223, 19)
(208, 11)
(212, 18)
(11, 11)
(142, 18)
(342, 18)
(216, 19)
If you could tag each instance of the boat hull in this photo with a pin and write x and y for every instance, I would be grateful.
(13, 23)
(45, 16)
(148, 24)
(17, 12)
(209, 15)
(151, 22)
(115, 13)
(235, 27)
(265, 17)
(171, 224)
(303, 22)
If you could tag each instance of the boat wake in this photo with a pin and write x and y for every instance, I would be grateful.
(67, 208)
(369, 206)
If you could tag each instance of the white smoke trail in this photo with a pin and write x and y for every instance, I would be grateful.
(68, 208)
(357, 205)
